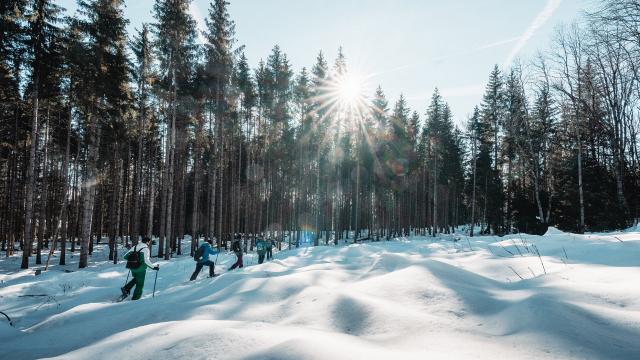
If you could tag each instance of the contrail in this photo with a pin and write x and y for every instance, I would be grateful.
(541, 19)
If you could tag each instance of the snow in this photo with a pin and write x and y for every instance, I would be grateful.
(557, 296)
(551, 231)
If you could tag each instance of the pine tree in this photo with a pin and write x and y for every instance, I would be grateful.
(143, 75)
(103, 27)
(175, 45)
(42, 43)
(492, 110)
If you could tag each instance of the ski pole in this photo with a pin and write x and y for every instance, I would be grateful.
(126, 281)
(154, 284)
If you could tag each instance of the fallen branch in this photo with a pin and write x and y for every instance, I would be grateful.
(8, 318)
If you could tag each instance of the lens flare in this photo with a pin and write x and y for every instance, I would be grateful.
(349, 90)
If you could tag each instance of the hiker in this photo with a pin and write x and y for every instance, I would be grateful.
(138, 260)
(236, 247)
(269, 246)
(261, 247)
(202, 257)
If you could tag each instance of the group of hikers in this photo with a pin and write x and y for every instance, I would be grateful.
(139, 260)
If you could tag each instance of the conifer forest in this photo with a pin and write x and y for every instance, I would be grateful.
(170, 132)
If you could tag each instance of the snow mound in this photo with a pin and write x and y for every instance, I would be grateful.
(410, 299)
(552, 231)
(512, 247)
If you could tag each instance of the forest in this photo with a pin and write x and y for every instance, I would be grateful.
(108, 137)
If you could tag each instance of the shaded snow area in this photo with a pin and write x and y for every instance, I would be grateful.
(450, 297)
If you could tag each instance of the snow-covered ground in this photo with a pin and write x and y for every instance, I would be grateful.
(412, 298)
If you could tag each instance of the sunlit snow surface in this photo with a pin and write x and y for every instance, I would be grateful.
(411, 298)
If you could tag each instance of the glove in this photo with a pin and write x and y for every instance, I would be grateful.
(156, 268)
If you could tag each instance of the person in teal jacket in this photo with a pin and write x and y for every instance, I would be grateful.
(139, 273)
(206, 249)
(261, 247)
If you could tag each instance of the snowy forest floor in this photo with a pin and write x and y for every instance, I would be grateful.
(411, 298)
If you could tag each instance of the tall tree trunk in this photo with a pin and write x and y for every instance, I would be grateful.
(170, 174)
(88, 190)
(42, 223)
(31, 179)
(62, 219)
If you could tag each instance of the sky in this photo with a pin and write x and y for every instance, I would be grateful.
(407, 47)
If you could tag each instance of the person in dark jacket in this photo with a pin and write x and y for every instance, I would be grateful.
(269, 247)
(139, 273)
(206, 249)
(236, 247)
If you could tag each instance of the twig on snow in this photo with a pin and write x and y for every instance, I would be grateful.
(540, 257)
(505, 249)
(532, 273)
(516, 245)
(515, 272)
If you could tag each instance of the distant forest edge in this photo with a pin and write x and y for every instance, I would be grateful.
(109, 134)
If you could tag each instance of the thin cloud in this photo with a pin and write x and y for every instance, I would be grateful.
(538, 22)
(477, 49)
(499, 43)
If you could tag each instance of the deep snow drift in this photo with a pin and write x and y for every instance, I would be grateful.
(414, 298)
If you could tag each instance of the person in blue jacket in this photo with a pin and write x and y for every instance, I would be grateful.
(203, 259)
(261, 246)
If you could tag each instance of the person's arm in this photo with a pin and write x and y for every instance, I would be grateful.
(147, 258)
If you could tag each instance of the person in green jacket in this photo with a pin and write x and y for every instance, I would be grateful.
(139, 272)
(261, 247)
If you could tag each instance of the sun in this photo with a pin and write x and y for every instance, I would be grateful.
(349, 90)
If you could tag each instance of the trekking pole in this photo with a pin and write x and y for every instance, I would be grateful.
(154, 284)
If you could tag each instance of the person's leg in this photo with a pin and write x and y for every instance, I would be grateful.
(196, 271)
(212, 267)
(235, 265)
(240, 261)
(137, 293)
(260, 257)
(127, 288)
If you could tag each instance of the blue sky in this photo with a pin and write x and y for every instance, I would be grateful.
(406, 46)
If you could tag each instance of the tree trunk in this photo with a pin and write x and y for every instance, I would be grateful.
(31, 180)
(88, 191)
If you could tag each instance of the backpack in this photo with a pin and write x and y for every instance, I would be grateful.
(235, 246)
(135, 259)
(198, 254)
(260, 245)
